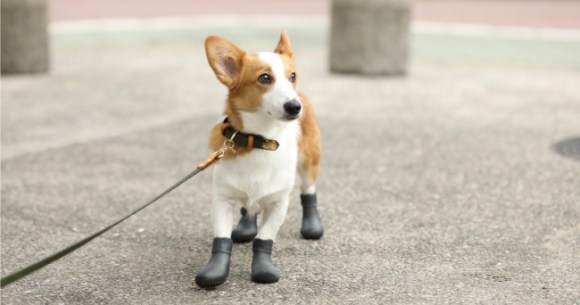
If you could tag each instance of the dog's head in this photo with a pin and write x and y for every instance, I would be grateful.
(262, 83)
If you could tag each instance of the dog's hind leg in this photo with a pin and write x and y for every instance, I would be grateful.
(310, 152)
(263, 271)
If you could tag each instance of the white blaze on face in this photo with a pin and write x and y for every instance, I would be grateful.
(282, 90)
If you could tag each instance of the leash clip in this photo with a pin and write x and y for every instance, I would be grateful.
(228, 144)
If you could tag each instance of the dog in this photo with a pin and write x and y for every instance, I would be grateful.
(271, 136)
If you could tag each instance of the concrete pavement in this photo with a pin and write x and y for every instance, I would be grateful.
(438, 188)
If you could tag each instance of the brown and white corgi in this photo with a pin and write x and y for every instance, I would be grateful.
(274, 134)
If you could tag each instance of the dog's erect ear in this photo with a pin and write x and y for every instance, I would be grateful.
(284, 47)
(224, 58)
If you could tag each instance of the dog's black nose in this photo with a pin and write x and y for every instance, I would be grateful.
(292, 107)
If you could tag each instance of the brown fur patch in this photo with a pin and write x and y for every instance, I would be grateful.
(309, 144)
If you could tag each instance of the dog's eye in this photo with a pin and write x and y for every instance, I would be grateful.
(265, 79)
(293, 77)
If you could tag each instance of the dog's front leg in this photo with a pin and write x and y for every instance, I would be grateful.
(263, 271)
(217, 269)
(222, 213)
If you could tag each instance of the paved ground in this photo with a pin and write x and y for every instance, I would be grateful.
(438, 188)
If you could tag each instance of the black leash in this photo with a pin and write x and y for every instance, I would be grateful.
(44, 262)
(215, 156)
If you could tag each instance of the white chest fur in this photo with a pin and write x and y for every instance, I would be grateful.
(260, 177)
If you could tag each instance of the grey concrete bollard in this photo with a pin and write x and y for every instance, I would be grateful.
(25, 46)
(370, 37)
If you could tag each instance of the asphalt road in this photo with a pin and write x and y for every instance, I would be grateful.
(439, 188)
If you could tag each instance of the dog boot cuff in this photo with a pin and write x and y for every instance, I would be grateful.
(222, 245)
(264, 246)
(308, 200)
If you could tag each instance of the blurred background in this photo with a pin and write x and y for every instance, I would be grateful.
(458, 183)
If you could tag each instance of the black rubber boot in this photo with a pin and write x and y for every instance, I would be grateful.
(263, 271)
(311, 224)
(217, 269)
(247, 228)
